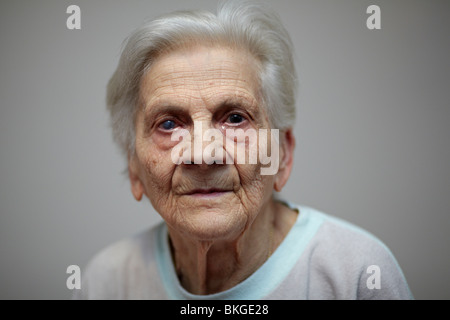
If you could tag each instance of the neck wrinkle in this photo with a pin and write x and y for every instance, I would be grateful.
(207, 267)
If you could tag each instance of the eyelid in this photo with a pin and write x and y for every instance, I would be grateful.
(157, 114)
(244, 115)
(242, 109)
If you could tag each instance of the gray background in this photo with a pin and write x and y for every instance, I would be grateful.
(372, 133)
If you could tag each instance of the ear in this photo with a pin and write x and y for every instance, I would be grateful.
(286, 159)
(137, 188)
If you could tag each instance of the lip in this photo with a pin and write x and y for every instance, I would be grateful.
(208, 193)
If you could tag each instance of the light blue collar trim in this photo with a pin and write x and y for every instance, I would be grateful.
(264, 280)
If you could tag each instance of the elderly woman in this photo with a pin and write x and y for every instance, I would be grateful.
(225, 235)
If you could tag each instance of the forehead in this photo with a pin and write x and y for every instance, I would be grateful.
(201, 73)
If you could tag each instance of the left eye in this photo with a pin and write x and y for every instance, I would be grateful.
(235, 118)
(168, 125)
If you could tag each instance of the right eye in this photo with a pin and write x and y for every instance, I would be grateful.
(168, 125)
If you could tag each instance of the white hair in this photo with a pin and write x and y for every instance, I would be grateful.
(246, 25)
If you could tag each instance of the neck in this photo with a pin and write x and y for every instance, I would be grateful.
(206, 267)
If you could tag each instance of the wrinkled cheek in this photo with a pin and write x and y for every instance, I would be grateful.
(157, 180)
(241, 147)
(255, 187)
(245, 154)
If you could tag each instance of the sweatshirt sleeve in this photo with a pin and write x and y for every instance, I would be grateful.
(350, 263)
(382, 277)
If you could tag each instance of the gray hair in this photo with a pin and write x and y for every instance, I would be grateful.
(246, 25)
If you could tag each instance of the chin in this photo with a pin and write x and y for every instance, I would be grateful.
(213, 224)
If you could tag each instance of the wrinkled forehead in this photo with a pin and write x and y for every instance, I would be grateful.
(201, 74)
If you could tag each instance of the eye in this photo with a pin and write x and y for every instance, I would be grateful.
(167, 125)
(235, 118)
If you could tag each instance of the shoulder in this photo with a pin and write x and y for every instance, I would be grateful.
(114, 267)
(349, 239)
(350, 262)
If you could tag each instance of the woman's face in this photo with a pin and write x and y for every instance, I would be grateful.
(217, 87)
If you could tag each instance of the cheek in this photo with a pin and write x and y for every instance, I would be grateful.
(156, 171)
(256, 188)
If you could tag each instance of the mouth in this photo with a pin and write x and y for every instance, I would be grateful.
(210, 192)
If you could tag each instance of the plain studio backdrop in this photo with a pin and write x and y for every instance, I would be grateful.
(372, 132)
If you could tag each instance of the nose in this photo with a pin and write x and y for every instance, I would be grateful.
(207, 146)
